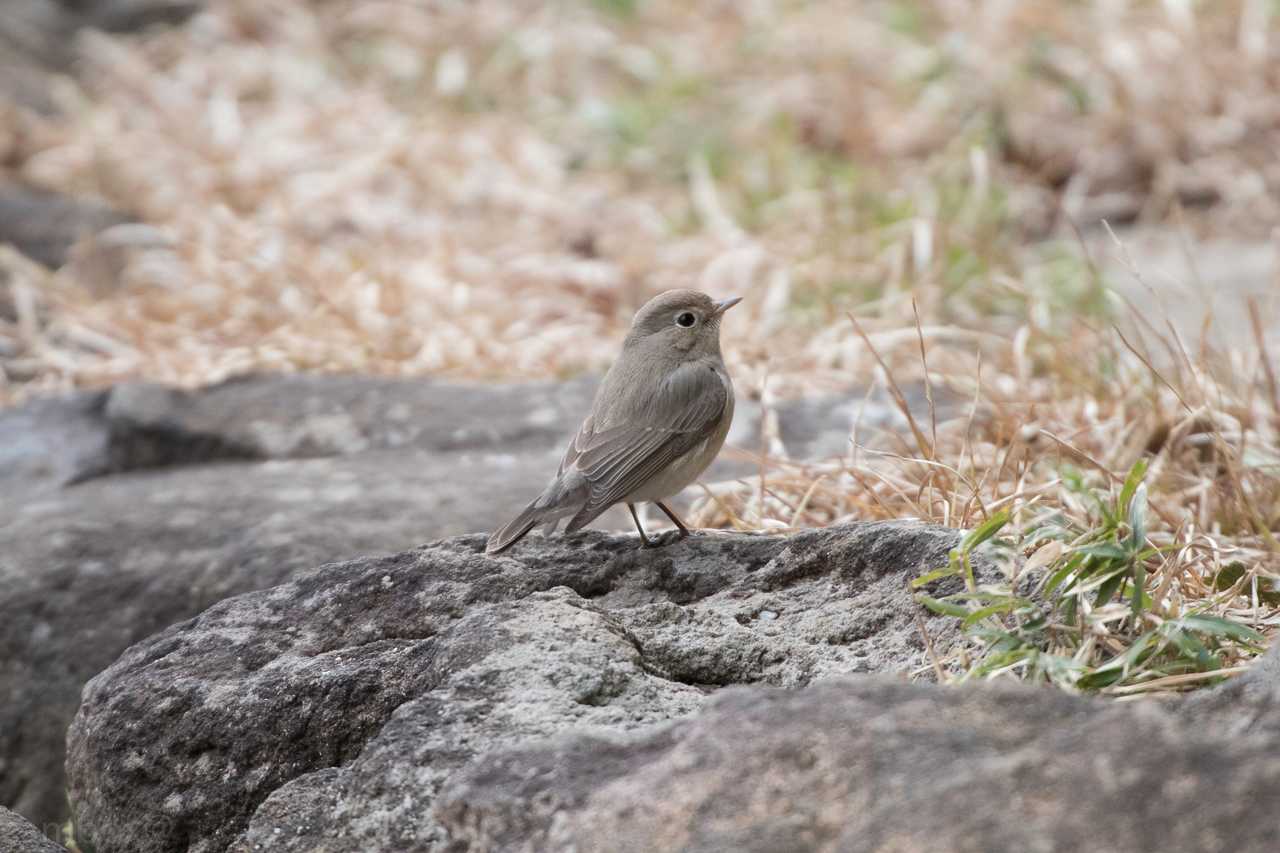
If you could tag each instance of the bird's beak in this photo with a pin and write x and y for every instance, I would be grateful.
(725, 304)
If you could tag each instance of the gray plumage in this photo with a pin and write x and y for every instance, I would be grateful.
(658, 420)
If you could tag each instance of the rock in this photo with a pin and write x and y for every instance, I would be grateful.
(181, 499)
(324, 714)
(44, 225)
(41, 33)
(873, 764)
(35, 34)
(60, 441)
(129, 16)
(19, 836)
(52, 441)
(55, 442)
(89, 570)
(1169, 275)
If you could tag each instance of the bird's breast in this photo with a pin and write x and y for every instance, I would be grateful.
(684, 470)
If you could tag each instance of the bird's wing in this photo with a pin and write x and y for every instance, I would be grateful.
(615, 462)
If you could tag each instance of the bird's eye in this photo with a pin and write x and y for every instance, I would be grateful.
(686, 319)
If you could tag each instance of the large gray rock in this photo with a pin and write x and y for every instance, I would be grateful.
(91, 570)
(872, 764)
(155, 531)
(179, 499)
(324, 714)
(58, 441)
(19, 836)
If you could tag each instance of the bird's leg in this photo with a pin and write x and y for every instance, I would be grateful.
(645, 541)
(675, 519)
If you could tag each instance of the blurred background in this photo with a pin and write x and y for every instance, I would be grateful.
(193, 191)
(489, 189)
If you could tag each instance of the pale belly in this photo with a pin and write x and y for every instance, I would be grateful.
(686, 469)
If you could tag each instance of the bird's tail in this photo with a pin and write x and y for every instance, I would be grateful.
(512, 532)
(564, 496)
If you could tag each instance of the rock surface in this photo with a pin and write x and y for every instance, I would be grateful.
(870, 764)
(58, 441)
(123, 511)
(1201, 287)
(324, 714)
(19, 836)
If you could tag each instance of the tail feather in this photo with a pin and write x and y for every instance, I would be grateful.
(563, 497)
(514, 530)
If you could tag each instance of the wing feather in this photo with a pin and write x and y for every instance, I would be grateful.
(683, 411)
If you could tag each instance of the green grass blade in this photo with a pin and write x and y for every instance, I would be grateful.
(945, 608)
(984, 531)
(936, 574)
(1130, 487)
(990, 610)
(1217, 626)
(1138, 519)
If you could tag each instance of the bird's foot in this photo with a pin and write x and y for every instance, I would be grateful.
(663, 539)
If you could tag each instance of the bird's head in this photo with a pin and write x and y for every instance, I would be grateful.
(686, 322)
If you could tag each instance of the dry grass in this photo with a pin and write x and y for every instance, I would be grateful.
(489, 189)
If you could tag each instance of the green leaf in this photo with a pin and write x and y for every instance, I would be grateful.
(1139, 589)
(1217, 626)
(1191, 647)
(990, 610)
(1069, 610)
(984, 531)
(1138, 519)
(1035, 624)
(936, 574)
(1104, 551)
(945, 608)
(1144, 604)
(1001, 661)
(1044, 533)
(981, 595)
(1121, 664)
(1055, 580)
(1100, 579)
(1130, 487)
(1098, 679)
(1107, 589)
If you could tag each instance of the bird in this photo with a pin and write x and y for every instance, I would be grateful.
(657, 421)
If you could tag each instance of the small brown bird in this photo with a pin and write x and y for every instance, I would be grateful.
(658, 420)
